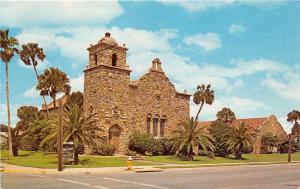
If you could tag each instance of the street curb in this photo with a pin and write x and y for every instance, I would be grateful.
(223, 165)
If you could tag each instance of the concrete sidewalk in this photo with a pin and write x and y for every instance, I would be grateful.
(9, 168)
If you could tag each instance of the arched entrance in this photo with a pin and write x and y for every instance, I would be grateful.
(114, 137)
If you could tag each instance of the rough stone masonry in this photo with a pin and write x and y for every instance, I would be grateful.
(150, 104)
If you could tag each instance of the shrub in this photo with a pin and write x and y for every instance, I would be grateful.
(142, 143)
(105, 149)
(284, 147)
(218, 130)
(166, 147)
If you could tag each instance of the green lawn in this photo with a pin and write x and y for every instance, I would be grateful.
(218, 160)
(49, 160)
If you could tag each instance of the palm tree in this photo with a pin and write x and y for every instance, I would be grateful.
(53, 81)
(75, 98)
(203, 95)
(226, 115)
(29, 55)
(293, 117)
(7, 51)
(79, 129)
(240, 137)
(188, 136)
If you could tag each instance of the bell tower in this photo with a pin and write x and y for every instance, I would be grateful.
(107, 52)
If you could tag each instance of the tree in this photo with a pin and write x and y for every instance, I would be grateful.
(219, 131)
(294, 117)
(3, 128)
(53, 81)
(26, 114)
(79, 129)
(7, 51)
(269, 141)
(226, 115)
(29, 55)
(75, 98)
(240, 137)
(189, 136)
(203, 95)
(29, 139)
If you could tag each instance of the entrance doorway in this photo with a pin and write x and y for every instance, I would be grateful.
(114, 137)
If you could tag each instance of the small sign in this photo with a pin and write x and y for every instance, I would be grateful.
(68, 152)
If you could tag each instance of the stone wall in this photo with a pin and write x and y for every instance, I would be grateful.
(271, 125)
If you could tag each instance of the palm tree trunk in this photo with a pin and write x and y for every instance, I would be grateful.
(202, 103)
(10, 151)
(37, 76)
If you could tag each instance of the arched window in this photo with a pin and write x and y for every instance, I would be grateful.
(149, 116)
(155, 125)
(114, 60)
(162, 126)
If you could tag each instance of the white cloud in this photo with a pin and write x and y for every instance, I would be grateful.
(31, 93)
(243, 67)
(197, 6)
(208, 41)
(59, 13)
(72, 42)
(235, 28)
(242, 107)
(287, 88)
(40, 67)
(13, 114)
(77, 83)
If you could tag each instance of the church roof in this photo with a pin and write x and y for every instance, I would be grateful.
(254, 123)
(51, 104)
(108, 40)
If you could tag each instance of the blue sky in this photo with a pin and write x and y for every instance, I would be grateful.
(247, 50)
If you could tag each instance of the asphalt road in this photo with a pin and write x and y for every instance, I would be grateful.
(263, 176)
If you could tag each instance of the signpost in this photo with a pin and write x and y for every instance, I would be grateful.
(68, 153)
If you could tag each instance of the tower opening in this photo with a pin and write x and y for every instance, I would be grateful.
(114, 60)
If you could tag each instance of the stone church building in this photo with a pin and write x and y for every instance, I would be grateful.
(150, 104)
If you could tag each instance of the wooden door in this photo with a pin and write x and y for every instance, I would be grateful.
(114, 137)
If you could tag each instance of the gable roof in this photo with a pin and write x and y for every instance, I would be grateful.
(254, 123)
(51, 104)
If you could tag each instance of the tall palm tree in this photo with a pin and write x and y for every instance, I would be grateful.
(226, 115)
(188, 136)
(53, 81)
(7, 51)
(29, 55)
(294, 117)
(239, 137)
(203, 95)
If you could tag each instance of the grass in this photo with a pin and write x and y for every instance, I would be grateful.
(248, 158)
(49, 160)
